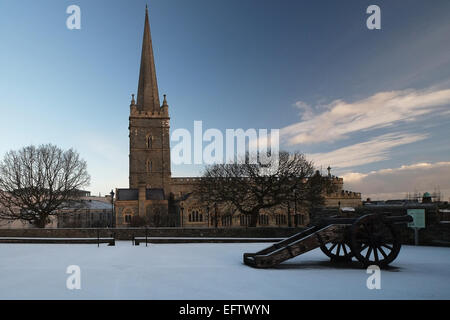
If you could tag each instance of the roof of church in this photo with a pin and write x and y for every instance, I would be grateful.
(147, 96)
(133, 194)
(127, 194)
(154, 194)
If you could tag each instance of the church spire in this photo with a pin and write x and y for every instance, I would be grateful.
(147, 97)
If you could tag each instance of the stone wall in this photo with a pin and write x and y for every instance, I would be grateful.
(128, 233)
(434, 234)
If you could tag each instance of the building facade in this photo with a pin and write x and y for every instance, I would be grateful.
(154, 198)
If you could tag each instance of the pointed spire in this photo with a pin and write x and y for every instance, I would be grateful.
(147, 96)
(165, 101)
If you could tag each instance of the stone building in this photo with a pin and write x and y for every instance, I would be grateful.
(89, 213)
(158, 198)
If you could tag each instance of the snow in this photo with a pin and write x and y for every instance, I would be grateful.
(210, 271)
(43, 238)
(209, 238)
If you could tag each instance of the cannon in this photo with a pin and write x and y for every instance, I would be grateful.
(372, 239)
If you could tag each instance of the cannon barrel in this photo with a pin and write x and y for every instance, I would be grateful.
(390, 219)
(398, 219)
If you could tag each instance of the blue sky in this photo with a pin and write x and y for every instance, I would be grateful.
(363, 101)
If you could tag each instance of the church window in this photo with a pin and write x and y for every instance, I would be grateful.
(195, 216)
(263, 219)
(244, 220)
(280, 219)
(298, 219)
(227, 220)
(149, 142)
(149, 166)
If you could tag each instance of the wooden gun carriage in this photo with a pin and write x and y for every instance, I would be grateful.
(372, 239)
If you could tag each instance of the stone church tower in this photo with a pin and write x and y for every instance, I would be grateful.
(149, 127)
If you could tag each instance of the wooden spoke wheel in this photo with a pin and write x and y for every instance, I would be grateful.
(374, 241)
(338, 251)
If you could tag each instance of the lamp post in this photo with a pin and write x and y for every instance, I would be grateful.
(295, 208)
(215, 216)
(112, 208)
(182, 216)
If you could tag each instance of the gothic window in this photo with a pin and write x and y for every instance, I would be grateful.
(149, 166)
(263, 220)
(128, 214)
(298, 219)
(227, 220)
(149, 142)
(280, 219)
(244, 220)
(195, 216)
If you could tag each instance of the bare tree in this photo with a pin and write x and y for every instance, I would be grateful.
(251, 188)
(37, 182)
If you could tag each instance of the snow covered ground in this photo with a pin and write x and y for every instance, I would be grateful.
(209, 271)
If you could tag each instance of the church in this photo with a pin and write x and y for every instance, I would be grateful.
(154, 197)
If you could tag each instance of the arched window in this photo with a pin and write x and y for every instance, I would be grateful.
(244, 220)
(149, 166)
(280, 219)
(298, 220)
(190, 217)
(149, 141)
(263, 219)
(128, 215)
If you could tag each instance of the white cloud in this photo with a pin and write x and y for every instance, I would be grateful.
(376, 149)
(397, 182)
(306, 112)
(380, 110)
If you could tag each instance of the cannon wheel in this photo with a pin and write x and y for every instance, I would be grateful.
(338, 251)
(374, 241)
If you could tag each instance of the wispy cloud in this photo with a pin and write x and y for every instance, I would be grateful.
(373, 150)
(397, 182)
(382, 109)
(306, 111)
